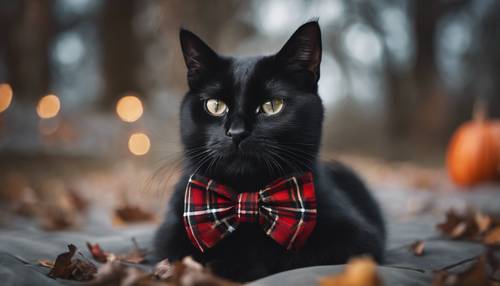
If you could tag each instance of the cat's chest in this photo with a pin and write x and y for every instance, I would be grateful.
(247, 241)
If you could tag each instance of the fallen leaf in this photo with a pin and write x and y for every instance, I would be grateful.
(77, 200)
(56, 208)
(358, 272)
(136, 256)
(63, 265)
(110, 273)
(417, 248)
(46, 263)
(450, 223)
(182, 273)
(468, 225)
(163, 270)
(12, 187)
(191, 273)
(132, 214)
(97, 253)
(54, 219)
(483, 222)
(83, 270)
(66, 267)
(27, 204)
(476, 275)
(459, 230)
(492, 237)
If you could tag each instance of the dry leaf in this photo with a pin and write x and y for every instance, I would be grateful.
(56, 208)
(66, 267)
(55, 219)
(83, 270)
(136, 256)
(459, 230)
(449, 225)
(46, 263)
(185, 273)
(163, 270)
(97, 253)
(492, 237)
(469, 225)
(111, 273)
(132, 214)
(477, 275)
(358, 272)
(62, 267)
(483, 222)
(417, 248)
(12, 186)
(77, 200)
(191, 273)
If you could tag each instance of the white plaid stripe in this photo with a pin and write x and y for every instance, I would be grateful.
(301, 221)
(187, 207)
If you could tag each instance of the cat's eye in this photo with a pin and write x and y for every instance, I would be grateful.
(272, 107)
(216, 107)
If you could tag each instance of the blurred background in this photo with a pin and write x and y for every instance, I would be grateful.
(90, 90)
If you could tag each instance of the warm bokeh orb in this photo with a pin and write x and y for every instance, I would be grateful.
(5, 96)
(129, 108)
(139, 144)
(48, 106)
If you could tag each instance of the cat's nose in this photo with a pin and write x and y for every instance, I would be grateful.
(237, 132)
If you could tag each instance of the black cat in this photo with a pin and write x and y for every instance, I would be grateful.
(246, 122)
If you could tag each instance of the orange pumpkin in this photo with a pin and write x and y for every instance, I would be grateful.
(473, 155)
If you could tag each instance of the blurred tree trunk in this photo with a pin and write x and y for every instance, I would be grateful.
(27, 31)
(488, 63)
(121, 50)
(430, 109)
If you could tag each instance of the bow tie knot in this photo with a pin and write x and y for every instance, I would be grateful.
(248, 207)
(285, 209)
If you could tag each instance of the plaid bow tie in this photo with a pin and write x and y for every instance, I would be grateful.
(285, 209)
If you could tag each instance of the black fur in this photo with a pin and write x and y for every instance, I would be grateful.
(349, 221)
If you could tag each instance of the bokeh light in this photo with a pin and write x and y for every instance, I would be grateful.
(129, 108)
(48, 106)
(5, 96)
(139, 144)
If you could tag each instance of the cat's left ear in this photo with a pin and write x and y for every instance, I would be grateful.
(303, 50)
(200, 59)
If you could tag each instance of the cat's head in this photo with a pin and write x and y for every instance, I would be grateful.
(257, 116)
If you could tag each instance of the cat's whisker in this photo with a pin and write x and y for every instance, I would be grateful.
(302, 154)
(160, 175)
(297, 150)
(204, 161)
(290, 159)
(282, 170)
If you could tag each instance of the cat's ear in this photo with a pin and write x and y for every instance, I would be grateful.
(198, 56)
(303, 49)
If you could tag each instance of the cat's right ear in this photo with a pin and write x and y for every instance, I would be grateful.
(198, 56)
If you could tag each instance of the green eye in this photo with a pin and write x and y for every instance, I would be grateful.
(272, 107)
(216, 107)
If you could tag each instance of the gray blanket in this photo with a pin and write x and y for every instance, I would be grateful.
(21, 246)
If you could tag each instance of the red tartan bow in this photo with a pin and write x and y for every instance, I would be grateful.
(286, 210)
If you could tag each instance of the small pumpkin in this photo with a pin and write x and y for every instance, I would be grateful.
(473, 152)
